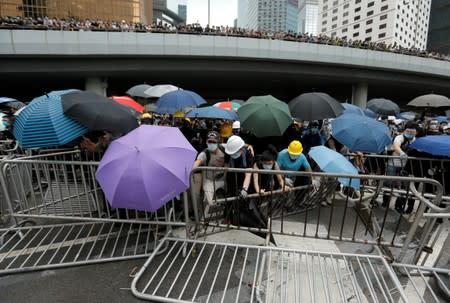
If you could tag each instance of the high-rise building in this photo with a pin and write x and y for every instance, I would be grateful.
(439, 30)
(108, 10)
(161, 14)
(268, 15)
(307, 16)
(403, 23)
(182, 12)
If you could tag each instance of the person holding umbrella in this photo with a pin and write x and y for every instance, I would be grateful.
(395, 166)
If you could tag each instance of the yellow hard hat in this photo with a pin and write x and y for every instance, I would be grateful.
(178, 115)
(146, 116)
(295, 148)
(188, 120)
(226, 130)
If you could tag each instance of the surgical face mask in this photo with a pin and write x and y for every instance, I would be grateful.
(5, 124)
(212, 146)
(236, 155)
(409, 136)
(267, 166)
(292, 157)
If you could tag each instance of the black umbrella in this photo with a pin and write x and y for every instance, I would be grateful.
(315, 106)
(99, 113)
(430, 100)
(383, 107)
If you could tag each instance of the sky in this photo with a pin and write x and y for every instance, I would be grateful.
(222, 12)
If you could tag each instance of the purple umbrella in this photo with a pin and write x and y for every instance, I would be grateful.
(146, 168)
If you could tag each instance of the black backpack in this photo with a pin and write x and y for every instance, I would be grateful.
(208, 154)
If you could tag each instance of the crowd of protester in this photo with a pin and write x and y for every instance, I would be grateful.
(72, 24)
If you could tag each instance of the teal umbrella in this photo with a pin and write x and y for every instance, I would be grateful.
(265, 116)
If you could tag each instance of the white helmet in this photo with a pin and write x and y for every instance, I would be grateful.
(236, 125)
(234, 144)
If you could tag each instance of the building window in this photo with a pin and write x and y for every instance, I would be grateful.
(382, 35)
(369, 21)
(324, 22)
(324, 29)
(383, 8)
(382, 26)
(357, 18)
(369, 30)
(357, 1)
(324, 15)
(368, 39)
(356, 26)
(370, 4)
(344, 30)
(383, 17)
(345, 14)
(335, 11)
(355, 34)
(357, 9)
(346, 6)
(333, 34)
(370, 13)
(334, 18)
(325, 7)
(335, 3)
(345, 22)
(333, 26)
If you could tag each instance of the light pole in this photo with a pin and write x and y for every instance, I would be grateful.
(209, 13)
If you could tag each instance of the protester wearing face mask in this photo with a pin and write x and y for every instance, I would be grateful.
(293, 159)
(433, 128)
(266, 182)
(396, 166)
(312, 137)
(241, 156)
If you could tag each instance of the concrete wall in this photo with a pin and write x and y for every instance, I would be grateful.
(28, 42)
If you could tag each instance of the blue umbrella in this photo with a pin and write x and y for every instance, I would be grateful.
(333, 162)
(441, 119)
(434, 145)
(212, 112)
(407, 115)
(43, 124)
(361, 133)
(370, 113)
(352, 109)
(178, 100)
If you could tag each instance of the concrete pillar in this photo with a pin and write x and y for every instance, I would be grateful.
(359, 94)
(97, 85)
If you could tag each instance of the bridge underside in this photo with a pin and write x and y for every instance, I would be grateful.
(214, 78)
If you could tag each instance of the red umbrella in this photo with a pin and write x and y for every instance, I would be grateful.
(128, 102)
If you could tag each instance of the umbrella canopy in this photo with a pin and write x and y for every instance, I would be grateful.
(43, 124)
(315, 106)
(434, 145)
(407, 115)
(228, 105)
(6, 100)
(333, 162)
(430, 100)
(441, 119)
(138, 91)
(352, 109)
(360, 133)
(159, 90)
(265, 116)
(146, 168)
(99, 113)
(151, 107)
(15, 104)
(124, 100)
(370, 113)
(212, 112)
(178, 100)
(383, 107)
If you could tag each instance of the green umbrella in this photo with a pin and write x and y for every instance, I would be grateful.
(265, 116)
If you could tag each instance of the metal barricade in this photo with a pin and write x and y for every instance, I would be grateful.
(434, 168)
(331, 211)
(215, 272)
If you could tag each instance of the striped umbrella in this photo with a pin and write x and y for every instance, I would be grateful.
(43, 124)
(229, 105)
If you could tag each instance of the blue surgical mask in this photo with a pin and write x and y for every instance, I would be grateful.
(267, 166)
(409, 136)
(5, 124)
(293, 158)
(236, 155)
(212, 146)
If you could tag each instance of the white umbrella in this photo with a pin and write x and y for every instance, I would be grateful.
(157, 91)
(138, 90)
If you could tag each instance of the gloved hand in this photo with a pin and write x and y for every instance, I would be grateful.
(316, 184)
(243, 194)
(289, 182)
